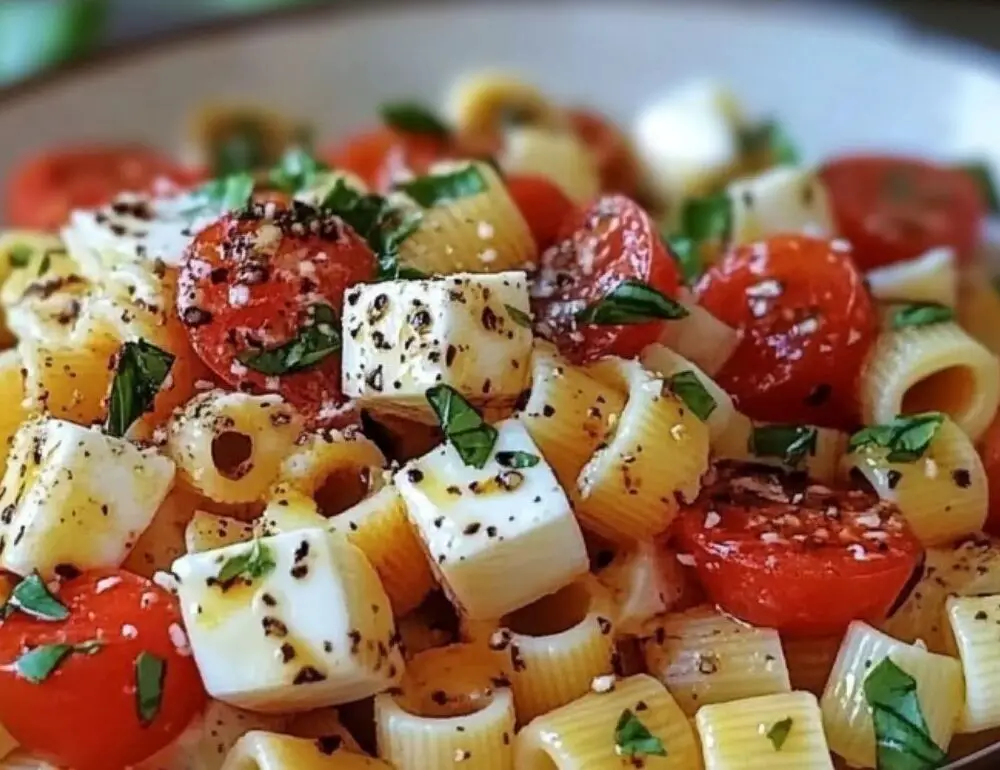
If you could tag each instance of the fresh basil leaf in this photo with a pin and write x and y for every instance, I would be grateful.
(19, 255)
(434, 189)
(778, 733)
(518, 316)
(472, 437)
(413, 118)
(707, 219)
(902, 738)
(32, 597)
(297, 170)
(228, 193)
(314, 342)
(44, 264)
(907, 437)
(516, 459)
(141, 370)
(920, 314)
(37, 664)
(242, 150)
(983, 178)
(686, 253)
(255, 562)
(631, 302)
(788, 443)
(150, 672)
(768, 139)
(633, 738)
(693, 393)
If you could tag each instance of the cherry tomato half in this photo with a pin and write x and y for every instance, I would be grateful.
(806, 324)
(804, 560)
(383, 155)
(543, 205)
(615, 160)
(84, 715)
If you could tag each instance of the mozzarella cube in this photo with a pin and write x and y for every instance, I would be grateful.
(75, 497)
(464, 330)
(315, 630)
(780, 200)
(499, 536)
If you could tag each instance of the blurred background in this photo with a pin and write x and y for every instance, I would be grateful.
(35, 34)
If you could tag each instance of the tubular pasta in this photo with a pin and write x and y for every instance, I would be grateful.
(931, 277)
(701, 338)
(481, 103)
(973, 622)
(558, 156)
(258, 750)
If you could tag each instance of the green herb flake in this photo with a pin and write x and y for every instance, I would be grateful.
(255, 562)
(633, 738)
(228, 193)
(631, 302)
(689, 388)
(920, 314)
(768, 139)
(707, 219)
(432, 190)
(983, 177)
(472, 437)
(19, 255)
(686, 253)
(242, 150)
(32, 597)
(516, 459)
(778, 733)
(788, 443)
(39, 663)
(150, 671)
(44, 264)
(413, 118)
(907, 437)
(297, 170)
(141, 370)
(902, 738)
(314, 342)
(518, 316)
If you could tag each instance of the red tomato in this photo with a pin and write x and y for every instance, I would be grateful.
(806, 324)
(893, 208)
(382, 155)
(84, 715)
(804, 560)
(989, 451)
(251, 280)
(599, 246)
(615, 160)
(44, 189)
(543, 205)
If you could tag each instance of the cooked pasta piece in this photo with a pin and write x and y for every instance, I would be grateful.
(452, 707)
(258, 750)
(22, 250)
(323, 724)
(847, 716)
(230, 446)
(979, 305)
(785, 199)
(209, 531)
(973, 622)
(770, 732)
(644, 582)
(256, 134)
(482, 104)
(592, 732)
(629, 489)
(701, 338)
(291, 622)
(74, 496)
(568, 414)
(478, 230)
(931, 277)
(12, 396)
(931, 368)
(810, 661)
(559, 156)
(431, 625)
(942, 494)
(165, 539)
(703, 656)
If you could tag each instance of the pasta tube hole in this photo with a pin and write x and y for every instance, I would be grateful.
(445, 682)
(551, 614)
(951, 390)
(342, 489)
(231, 454)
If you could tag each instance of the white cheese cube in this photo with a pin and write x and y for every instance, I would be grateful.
(75, 497)
(784, 199)
(500, 536)
(314, 630)
(465, 330)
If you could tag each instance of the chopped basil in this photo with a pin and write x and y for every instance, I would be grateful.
(788, 443)
(44, 264)
(141, 371)
(688, 257)
(689, 388)
(243, 149)
(472, 437)
(227, 193)
(149, 675)
(297, 170)
(983, 178)
(413, 118)
(32, 597)
(518, 316)
(631, 302)
(37, 664)
(517, 459)
(768, 139)
(255, 562)
(19, 255)
(778, 733)
(920, 314)
(632, 738)
(902, 738)
(707, 219)
(314, 342)
(906, 437)
(431, 190)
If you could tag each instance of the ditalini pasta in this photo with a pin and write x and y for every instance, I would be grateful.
(486, 441)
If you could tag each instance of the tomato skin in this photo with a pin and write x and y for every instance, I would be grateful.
(380, 155)
(806, 323)
(84, 714)
(794, 566)
(43, 189)
(615, 160)
(989, 452)
(894, 208)
(543, 205)
(600, 245)
(250, 279)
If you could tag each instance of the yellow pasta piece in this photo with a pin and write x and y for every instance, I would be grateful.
(214, 125)
(979, 305)
(258, 750)
(973, 622)
(943, 494)
(703, 656)
(931, 277)
(582, 734)
(931, 368)
(701, 338)
(12, 397)
(810, 661)
(481, 104)
(846, 713)
(323, 724)
(165, 539)
(479, 233)
(208, 531)
(628, 491)
(559, 156)
(644, 582)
